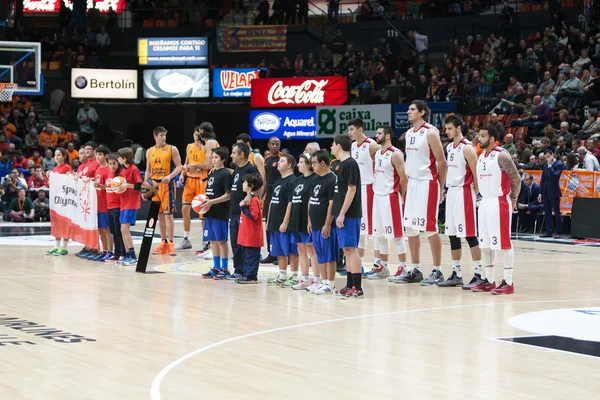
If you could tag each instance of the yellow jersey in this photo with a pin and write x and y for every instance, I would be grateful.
(160, 161)
(251, 158)
(196, 155)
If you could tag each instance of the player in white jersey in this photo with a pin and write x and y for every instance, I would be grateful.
(461, 202)
(499, 185)
(426, 170)
(363, 151)
(388, 185)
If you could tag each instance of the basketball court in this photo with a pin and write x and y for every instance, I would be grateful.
(73, 329)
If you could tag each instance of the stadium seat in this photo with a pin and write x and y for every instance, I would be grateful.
(148, 23)
(521, 133)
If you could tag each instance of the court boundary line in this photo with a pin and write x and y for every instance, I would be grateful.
(157, 381)
(541, 348)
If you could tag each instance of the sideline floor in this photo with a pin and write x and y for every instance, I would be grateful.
(257, 342)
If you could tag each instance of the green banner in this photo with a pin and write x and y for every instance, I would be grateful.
(332, 121)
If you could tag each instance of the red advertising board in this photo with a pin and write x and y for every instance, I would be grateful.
(299, 92)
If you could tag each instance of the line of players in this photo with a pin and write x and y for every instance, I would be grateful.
(384, 180)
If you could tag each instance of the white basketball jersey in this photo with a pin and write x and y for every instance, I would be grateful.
(362, 155)
(459, 173)
(387, 179)
(493, 182)
(420, 161)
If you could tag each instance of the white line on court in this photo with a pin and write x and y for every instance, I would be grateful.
(155, 387)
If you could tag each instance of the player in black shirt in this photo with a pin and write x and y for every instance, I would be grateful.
(272, 175)
(320, 223)
(348, 213)
(239, 156)
(299, 219)
(218, 191)
(280, 209)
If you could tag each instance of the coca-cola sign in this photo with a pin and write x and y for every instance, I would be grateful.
(299, 92)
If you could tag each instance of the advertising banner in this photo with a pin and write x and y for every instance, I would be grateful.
(250, 38)
(233, 82)
(284, 124)
(439, 113)
(53, 6)
(299, 92)
(92, 83)
(176, 83)
(580, 183)
(332, 121)
(73, 209)
(168, 51)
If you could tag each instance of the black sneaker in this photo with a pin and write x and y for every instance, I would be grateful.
(204, 249)
(413, 276)
(269, 260)
(244, 280)
(475, 281)
(452, 281)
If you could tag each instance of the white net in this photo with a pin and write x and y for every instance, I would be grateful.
(6, 92)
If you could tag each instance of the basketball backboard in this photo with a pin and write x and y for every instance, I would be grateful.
(20, 63)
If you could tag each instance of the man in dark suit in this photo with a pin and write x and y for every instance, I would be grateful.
(528, 205)
(550, 193)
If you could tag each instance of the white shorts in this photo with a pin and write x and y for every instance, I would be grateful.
(460, 211)
(387, 216)
(421, 205)
(366, 222)
(495, 218)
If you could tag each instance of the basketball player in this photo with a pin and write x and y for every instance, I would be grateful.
(280, 208)
(158, 168)
(255, 159)
(499, 185)
(207, 134)
(363, 151)
(272, 175)
(239, 156)
(426, 170)
(461, 203)
(348, 212)
(193, 175)
(388, 183)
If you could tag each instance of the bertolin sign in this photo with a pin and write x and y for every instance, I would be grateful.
(104, 83)
(284, 124)
(299, 92)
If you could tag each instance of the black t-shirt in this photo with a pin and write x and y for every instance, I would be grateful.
(219, 183)
(283, 190)
(335, 166)
(299, 215)
(271, 171)
(348, 174)
(321, 193)
(237, 192)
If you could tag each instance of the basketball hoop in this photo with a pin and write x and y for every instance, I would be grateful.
(6, 91)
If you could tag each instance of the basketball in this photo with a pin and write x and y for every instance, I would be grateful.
(116, 184)
(198, 202)
(149, 189)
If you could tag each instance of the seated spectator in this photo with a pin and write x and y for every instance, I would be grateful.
(72, 153)
(5, 164)
(37, 160)
(48, 162)
(64, 137)
(523, 152)
(587, 160)
(11, 185)
(75, 164)
(590, 127)
(509, 145)
(572, 87)
(87, 119)
(32, 142)
(9, 130)
(560, 83)
(537, 120)
(572, 163)
(551, 134)
(582, 62)
(31, 122)
(561, 148)
(497, 124)
(3, 145)
(18, 160)
(566, 134)
(592, 90)
(528, 205)
(38, 179)
(591, 147)
(547, 83)
(21, 208)
(41, 207)
(533, 164)
(549, 98)
(49, 136)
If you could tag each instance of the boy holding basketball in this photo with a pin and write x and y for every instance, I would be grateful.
(102, 173)
(216, 213)
(130, 201)
(250, 234)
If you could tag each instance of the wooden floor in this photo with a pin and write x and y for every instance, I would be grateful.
(175, 336)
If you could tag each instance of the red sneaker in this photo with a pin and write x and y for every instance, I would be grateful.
(342, 291)
(504, 288)
(486, 286)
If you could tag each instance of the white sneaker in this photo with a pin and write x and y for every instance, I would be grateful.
(380, 273)
(303, 284)
(314, 285)
(207, 255)
(324, 289)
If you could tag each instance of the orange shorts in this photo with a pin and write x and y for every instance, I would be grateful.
(166, 197)
(193, 187)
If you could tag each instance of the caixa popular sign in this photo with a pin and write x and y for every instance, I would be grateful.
(299, 92)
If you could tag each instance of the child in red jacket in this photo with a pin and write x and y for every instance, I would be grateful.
(251, 232)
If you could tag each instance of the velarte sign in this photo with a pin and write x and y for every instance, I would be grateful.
(299, 92)
(333, 121)
(233, 82)
(104, 83)
(284, 124)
